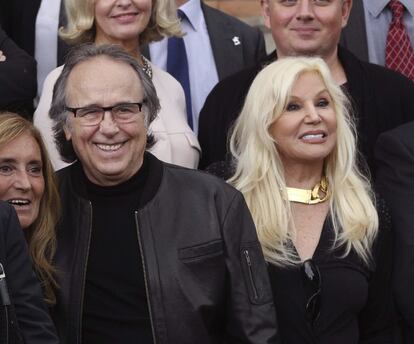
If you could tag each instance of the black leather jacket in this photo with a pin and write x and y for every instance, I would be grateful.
(203, 266)
(27, 318)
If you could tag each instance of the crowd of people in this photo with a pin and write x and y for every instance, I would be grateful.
(163, 180)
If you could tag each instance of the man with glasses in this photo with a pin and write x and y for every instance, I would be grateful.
(147, 252)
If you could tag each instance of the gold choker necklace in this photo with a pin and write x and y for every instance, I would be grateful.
(318, 194)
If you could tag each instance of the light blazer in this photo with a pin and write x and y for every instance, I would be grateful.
(395, 181)
(354, 35)
(228, 57)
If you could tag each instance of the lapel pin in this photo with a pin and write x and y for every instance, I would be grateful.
(236, 40)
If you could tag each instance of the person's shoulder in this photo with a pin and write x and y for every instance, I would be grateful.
(235, 22)
(54, 74)
(239, 80)
(50, 80)
(161, 78)
(197, 180)
(378, 74)
(8, 219)
(402, 134)
(5, 210)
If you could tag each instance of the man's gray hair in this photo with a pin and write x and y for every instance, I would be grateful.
(85, 52)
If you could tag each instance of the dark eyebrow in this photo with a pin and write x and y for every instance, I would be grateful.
(7, 160)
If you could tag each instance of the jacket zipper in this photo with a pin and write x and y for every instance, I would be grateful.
(250, 270)
(145, 276)
(84, 276)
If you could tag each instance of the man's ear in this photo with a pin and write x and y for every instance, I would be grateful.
(346, 11)
(266, 12)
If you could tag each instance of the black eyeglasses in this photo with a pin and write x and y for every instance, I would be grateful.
(313, 283)
(93, 115)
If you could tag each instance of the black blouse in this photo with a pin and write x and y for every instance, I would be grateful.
(355, 301)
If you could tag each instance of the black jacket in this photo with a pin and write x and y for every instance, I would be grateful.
(395, 180)
(17, 78)
(382, 99)
(33, 321)
(206, 277)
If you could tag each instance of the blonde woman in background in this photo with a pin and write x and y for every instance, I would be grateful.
(130, 24)
(329, 253)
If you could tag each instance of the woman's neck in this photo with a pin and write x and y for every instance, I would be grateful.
(303, 176)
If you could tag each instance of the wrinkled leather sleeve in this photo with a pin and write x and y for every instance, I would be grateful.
(250, 313)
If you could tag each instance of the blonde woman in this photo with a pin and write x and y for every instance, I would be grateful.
(27, 182)
(329, 255)
(130, 24)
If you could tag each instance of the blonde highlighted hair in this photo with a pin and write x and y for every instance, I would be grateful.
(40, 235)
(260, 172)
(80, 26)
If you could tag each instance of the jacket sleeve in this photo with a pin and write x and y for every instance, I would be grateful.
(250, 310)
(33, 318)
(378, 318)
(18, 83)
(395, 181)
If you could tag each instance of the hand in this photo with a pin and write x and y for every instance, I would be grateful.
(2, 57)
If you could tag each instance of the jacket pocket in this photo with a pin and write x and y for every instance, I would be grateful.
(255, 273)
(201, 251)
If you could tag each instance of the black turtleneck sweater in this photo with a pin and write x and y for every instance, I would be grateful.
(115, 301)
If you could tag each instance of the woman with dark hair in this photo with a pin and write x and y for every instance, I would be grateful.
(129, 24)
(328, 248)
(27, 182)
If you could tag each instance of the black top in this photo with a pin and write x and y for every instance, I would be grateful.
(382, 99)
(355, 305)
(115, 303)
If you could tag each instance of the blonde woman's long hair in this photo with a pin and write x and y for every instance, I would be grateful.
(80, 26)
(40, 236)
(260, 173)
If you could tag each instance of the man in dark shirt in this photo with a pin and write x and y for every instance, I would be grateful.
(17, 78)
(148, 252)
(381, 99)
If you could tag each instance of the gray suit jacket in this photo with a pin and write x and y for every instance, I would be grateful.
(354, 35)
(228, 56)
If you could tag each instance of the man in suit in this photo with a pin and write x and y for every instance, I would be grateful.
(367, 29)
(382, 99)
(17, 78)
(217, 45)
(33, 25)
(395, 182)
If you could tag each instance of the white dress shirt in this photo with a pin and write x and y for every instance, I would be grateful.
(378, 18)
(46, 40)
(201, 65)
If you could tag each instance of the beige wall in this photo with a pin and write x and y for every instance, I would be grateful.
(247, 10)
(238, 8)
